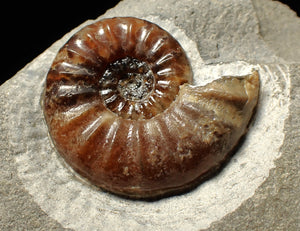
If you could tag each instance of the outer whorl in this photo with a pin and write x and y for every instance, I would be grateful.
(121, 111)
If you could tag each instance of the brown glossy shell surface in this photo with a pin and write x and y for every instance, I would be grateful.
(121, 112)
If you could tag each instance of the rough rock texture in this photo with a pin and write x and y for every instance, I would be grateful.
(279, 29)
(37, 195)
(276, 203)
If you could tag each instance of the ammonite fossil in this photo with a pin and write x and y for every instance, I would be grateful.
(122, 111)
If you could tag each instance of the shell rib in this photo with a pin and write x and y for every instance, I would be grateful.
(121, 112)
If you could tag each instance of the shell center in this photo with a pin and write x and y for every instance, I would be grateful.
(130, 78)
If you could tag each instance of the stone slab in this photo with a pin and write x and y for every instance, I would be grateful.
(253, 192)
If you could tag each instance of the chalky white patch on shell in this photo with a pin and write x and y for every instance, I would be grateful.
(80, 207)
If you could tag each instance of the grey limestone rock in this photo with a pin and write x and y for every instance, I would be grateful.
(258, 190)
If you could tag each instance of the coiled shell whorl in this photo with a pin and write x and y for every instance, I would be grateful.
(121, 110)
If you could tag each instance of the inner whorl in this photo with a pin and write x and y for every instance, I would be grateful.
(127, 80)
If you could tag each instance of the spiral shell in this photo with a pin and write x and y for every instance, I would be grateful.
(121, 110)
